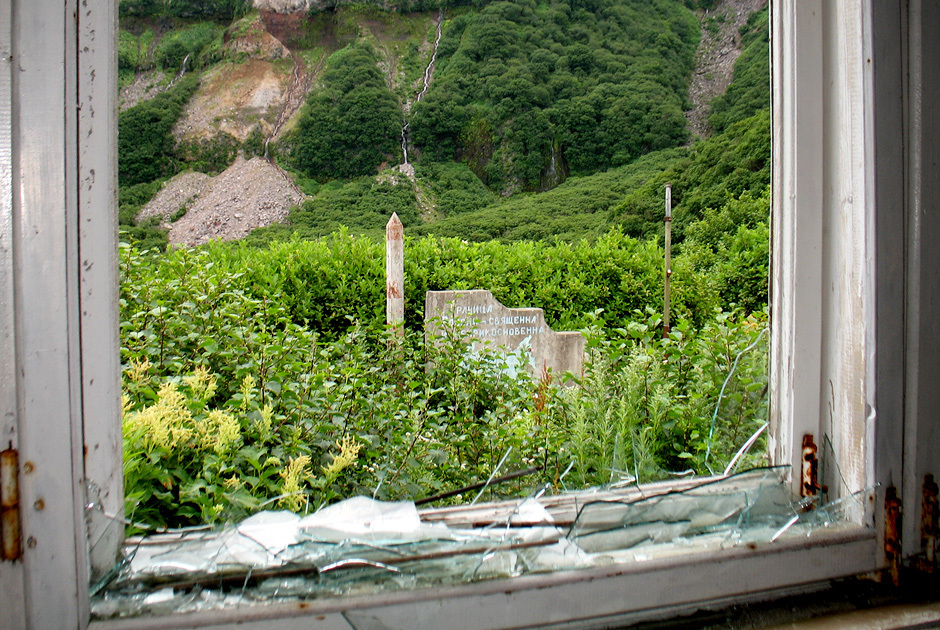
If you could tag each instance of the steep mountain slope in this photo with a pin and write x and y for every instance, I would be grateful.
(523, 94)
(718, 50)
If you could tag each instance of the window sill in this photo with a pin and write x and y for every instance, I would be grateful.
(660, 576)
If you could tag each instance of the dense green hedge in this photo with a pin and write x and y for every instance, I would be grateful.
(327, 283)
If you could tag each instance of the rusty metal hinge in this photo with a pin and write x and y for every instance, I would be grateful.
(10, 505)
(893, 534)
(930, 510)
(809, 486)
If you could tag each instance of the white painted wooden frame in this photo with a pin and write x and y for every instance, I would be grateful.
(823, 292)
(58, 322)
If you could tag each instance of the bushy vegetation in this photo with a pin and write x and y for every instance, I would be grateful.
(602, 83)
(146, 148)
(188, 9)
(186, 44)
(325, 282)
(715, 171)
(361, 205)
(579, 208)
(231, 404)
(350, 126)
(455, 188)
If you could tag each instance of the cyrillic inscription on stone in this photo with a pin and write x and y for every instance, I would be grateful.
(490, 324)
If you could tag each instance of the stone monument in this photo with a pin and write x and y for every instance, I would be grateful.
(490, 324)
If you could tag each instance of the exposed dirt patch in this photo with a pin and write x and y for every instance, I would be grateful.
(291, 29)
(718, 49)
(248, 195)
(144, 87)
(252, 38)
(235, 98)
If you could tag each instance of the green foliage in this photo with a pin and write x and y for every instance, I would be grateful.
(253, 146)
(129, 53)
(362, 206)
(731, 246)
(147, 234)
(211, 156)
(230, 405)
(146, 149)
(327, 282)
(577, 209)
(132, 54)
(709, 175)
(188, 9)
(264, 377)
(177, 45)
(646, 402)
(603, 82)
(352, 125)
(716, 171)
(223, 391)
(132, 198)
(749, 92)
(455, 188)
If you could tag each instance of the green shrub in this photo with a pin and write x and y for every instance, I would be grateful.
(146, 148)
(176, 45)
(650, 405)
(455, 187)
(230, 406)
(212, 155)
(188, 9)
(352, 125)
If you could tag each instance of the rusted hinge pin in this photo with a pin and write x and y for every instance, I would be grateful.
(10, 505)
(809, 488)
(893, 534)
(930, 510)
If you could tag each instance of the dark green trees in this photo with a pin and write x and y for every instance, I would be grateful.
(146, 148)
(596, 83)
(350, 126)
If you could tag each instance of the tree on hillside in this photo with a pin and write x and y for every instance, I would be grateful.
(594, 83)
(350, 126)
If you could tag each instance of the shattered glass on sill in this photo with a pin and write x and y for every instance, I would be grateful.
(361, 546)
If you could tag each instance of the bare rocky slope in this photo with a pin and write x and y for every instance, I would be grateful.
(718, 49)
(249, 194)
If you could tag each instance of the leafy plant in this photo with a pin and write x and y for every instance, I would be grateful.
(146, 148)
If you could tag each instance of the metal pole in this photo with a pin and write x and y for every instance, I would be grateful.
(394, 273)
(668, 268)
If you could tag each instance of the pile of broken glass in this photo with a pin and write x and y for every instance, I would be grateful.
(361, 545)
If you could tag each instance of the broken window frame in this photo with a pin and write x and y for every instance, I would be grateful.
(59, 378)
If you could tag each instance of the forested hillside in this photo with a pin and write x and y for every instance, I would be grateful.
(523, 94)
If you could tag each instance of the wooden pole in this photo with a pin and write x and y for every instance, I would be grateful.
(668, 267)
(394, 273)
